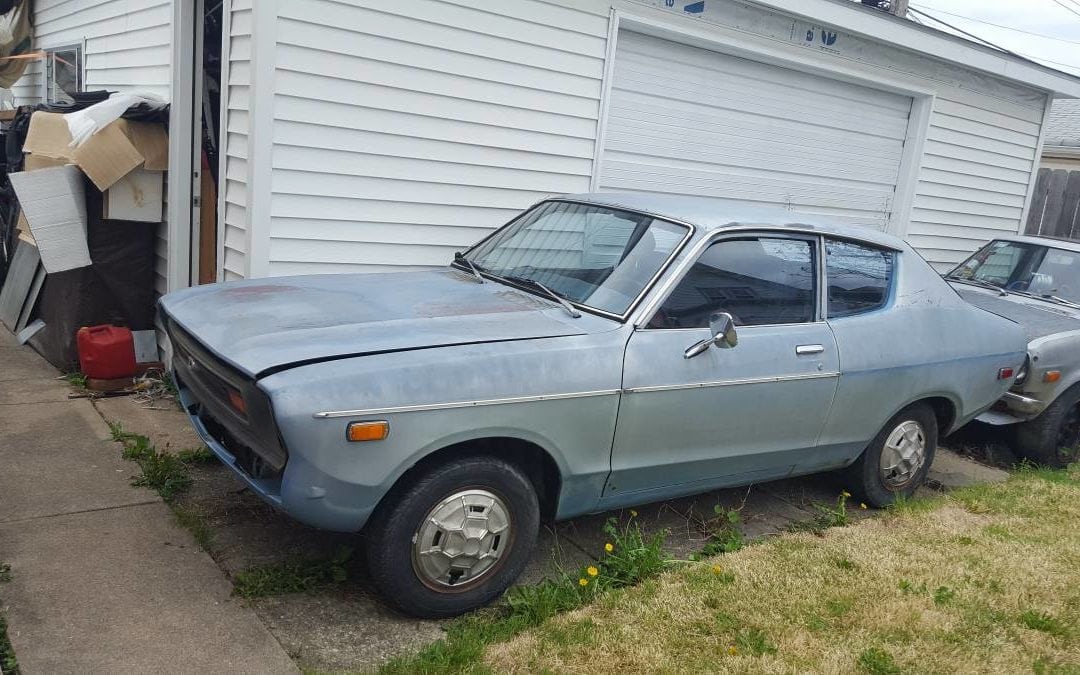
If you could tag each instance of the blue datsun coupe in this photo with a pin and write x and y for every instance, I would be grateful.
(598, 351)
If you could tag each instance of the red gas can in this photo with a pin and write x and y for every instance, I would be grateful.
(106, 352)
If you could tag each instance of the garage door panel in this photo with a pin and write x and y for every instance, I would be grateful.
(729, 185)
(650, 109)
(769, 142)
(676, 58)
(763, 99)
(751, 154)
(690, 121)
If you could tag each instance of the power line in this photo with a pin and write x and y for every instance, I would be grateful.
(1069, 8)
(1023, 55)
(998, 25)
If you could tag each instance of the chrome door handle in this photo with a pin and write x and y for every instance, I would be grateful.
(803, 350)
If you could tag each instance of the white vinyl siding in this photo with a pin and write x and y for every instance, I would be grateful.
(686, 120)
(238, 96)
(977, 164)
(404, 132)
(126, 44)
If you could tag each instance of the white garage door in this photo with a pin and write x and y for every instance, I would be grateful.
(691, 121)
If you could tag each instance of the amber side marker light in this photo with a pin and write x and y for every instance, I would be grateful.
(1052, 376)
(367, 431)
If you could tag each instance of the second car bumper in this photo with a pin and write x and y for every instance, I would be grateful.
(1023, 404)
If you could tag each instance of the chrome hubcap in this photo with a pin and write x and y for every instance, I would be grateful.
(904, 454)
(461, 539)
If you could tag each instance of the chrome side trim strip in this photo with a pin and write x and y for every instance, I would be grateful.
(462, 404)
(731, 383)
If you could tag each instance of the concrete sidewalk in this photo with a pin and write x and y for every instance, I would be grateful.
(102, 578)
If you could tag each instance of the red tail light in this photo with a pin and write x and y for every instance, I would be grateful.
(1005, 374)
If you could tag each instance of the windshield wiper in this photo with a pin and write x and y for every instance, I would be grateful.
(460, 257)
(979, 282)
(1051, 297)
(554, 296)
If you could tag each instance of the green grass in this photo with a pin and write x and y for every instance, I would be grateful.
(8, 663)
(292, 576)
(630, 558)
(194, 522)
(77, 380)
(163, 472)
(985, 578)
(724, 531)
(200, 455)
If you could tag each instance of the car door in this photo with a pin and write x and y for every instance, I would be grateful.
(733, 414)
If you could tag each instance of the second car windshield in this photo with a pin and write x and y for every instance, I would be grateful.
(1024, 268)
(594, 255)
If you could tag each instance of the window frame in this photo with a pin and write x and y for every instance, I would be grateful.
(653, 283)
(890, 289)
(49, 59)
(817, 247)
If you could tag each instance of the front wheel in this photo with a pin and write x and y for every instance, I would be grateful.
(1053, 438)
(454, 538)
(896, 462)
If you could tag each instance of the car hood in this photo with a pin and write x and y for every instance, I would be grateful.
(1037, 317)
(263, 326)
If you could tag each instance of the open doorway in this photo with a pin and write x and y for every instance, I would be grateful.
(207, 138)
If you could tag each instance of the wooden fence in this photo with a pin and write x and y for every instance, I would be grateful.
(1055, 205)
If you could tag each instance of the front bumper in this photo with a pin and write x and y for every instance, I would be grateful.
(1025, 405)
(1012, 408)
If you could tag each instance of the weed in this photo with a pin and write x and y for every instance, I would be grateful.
(630, 557)
(8, 664)
(164, 473)
(844, 564)
(943, 595)
(200, 455)
(725, 532)
(5, 573)
(838, 607)
(161, 471)
(75, 379)
(1041, 621)
(876, 661)
(754, 641)
(194, 522)
(834, 516)
(292, 576)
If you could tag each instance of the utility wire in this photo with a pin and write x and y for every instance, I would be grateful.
(998, 25)
(1069, 8)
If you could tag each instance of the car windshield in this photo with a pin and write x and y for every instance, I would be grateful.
(596, 256)
(1024, 268)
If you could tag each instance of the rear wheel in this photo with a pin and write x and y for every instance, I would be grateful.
(454, 538)
(896, 462)
(1053, 438)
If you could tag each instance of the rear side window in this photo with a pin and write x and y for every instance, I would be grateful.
(858, 277)
(758, 281)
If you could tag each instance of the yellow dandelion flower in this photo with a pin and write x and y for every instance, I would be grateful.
(732, 650)
(583, 582)
(716, 569)
(845, 493)
(862, 506)
(633, 513)
(592, 571)
(609, 547)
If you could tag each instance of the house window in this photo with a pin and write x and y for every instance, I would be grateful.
(63, 73)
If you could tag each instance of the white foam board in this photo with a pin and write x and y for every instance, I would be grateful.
(54, 204)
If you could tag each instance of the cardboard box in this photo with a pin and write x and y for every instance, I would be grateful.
(105, 157)
(54, 204)
(136, 196)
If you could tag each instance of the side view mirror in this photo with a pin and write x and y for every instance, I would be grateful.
(723, 335)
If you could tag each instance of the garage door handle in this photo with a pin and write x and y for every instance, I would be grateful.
(803, 350)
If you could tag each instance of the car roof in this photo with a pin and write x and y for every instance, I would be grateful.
(1063, 244)
(710, 214)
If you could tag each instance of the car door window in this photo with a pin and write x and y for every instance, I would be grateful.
(858, 277)
(759, 281)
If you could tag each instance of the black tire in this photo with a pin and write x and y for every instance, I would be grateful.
(1053, 438)
(395, 524)
(865, 478)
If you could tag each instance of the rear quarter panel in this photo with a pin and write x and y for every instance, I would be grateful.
(928, 342)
